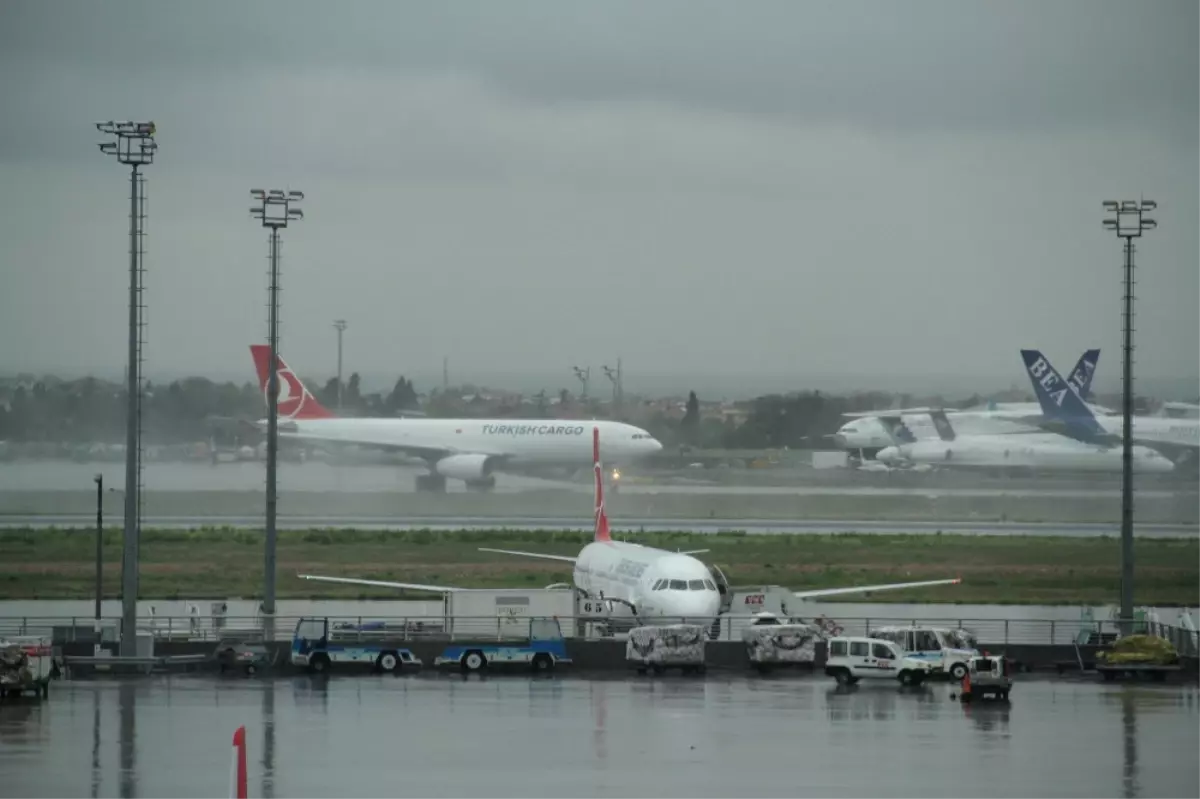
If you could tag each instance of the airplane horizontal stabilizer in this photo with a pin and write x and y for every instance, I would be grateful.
(437, 589)
(565, 558)
(863, 589)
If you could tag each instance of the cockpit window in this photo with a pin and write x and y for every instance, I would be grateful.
(709, 585)
(659, 585)
(696, 585)
(678, 585)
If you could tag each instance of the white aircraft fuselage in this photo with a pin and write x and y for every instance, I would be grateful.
(656, 582)
(1034, 452)
(468, 442)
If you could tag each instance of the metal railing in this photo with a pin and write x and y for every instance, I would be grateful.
(987, 632)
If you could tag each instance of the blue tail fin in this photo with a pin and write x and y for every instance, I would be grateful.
(896, 429)
(942, 424)
(1061, 405)
(1084, 371)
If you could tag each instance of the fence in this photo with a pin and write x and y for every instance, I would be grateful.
(988, 632)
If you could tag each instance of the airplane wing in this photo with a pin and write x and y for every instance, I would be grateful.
(565, 558)
(437, 589)
(863, 589)
(891, 412)
(694, 551)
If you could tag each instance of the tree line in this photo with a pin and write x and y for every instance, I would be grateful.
(90, 410)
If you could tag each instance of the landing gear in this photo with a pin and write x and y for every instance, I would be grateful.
(432, 483)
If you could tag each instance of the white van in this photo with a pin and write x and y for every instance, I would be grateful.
(853, 659)
(945, 650)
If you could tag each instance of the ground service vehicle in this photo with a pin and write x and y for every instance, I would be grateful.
(987, 675)
(318, 646)
(545, 649)
(852, 659)
(248, 656)
(947, 651)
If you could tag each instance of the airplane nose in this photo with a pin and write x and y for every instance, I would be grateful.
(655, 445)
(841, 441)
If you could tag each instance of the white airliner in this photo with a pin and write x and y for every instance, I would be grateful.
(1177, 439)
(465, 449)
(637, 583)
(867, 433)
(1029, 452)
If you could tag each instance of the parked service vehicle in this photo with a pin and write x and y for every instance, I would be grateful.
(26, 666)
(316, 646)
(852, 659)
(247, 656)
(545, 649)
(987, 675)
(946, 650)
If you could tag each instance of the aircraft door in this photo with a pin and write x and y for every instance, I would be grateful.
(722, 584)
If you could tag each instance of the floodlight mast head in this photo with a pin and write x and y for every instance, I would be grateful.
(1129, 220)
(134, 143)
(275, 207)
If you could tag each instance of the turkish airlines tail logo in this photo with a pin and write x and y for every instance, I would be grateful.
(295, 400)
(601, 518)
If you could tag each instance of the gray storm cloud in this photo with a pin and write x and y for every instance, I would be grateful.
(869, 191)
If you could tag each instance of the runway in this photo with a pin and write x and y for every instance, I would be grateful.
(698, 525)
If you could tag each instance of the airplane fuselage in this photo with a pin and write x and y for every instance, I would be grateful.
(657, 583)
(1032, 452)
(517, 441)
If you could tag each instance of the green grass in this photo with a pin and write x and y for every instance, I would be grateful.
(212, 562)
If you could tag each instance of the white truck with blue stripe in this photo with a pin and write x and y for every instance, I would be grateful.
(317, 645)
(544, 650)
(947, 651)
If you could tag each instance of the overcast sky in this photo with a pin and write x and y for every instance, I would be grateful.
(785, 191)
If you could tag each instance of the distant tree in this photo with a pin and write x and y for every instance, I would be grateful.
(690, 424)
(563, 396)
(402, 398)
(352, 397)
(329, 394)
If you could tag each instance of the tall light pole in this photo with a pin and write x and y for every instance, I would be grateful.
(584, 375)
(1129, 221)
(133, 146)
(274, 211)
(340, 326)
(618, 389)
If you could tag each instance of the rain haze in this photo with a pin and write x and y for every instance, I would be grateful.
(734, 197)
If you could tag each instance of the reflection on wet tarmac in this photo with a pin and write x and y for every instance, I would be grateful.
(513, 736)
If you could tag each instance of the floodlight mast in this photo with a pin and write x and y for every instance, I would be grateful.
(133, 145)
(274, 211)
(1129, 221)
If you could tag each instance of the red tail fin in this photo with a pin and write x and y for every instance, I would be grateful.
(295, 400)
(601, 517)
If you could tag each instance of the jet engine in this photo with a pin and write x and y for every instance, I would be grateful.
(467, 467)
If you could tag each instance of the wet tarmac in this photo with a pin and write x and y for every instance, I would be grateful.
(49, 475)
(514, 736)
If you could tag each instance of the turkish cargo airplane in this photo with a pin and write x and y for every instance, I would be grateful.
(637, 583)
(867, 433)
(1025, 452)
(1066, 414)
(465, 449)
